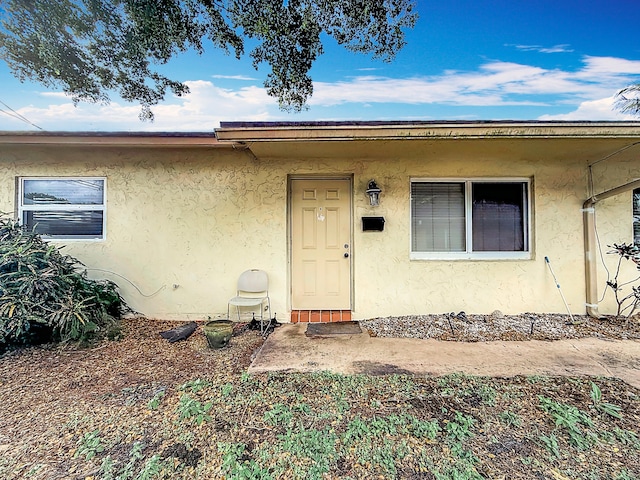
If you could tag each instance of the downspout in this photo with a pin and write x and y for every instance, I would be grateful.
(590, 243)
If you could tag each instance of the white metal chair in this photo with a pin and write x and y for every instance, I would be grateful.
(253, 291)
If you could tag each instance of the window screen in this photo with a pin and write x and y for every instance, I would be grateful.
(70, 208)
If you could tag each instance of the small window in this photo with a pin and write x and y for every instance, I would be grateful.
(636, 216)
(470, 219)
(63, 208)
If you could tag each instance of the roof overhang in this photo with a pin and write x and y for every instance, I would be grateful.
(234, 133)
(249, 132)
(113, 139)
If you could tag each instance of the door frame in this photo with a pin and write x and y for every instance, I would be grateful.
(290, 179)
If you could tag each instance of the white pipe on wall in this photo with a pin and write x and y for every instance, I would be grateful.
(590, 243)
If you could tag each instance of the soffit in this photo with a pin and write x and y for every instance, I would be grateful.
(586, 150)
(533, 140)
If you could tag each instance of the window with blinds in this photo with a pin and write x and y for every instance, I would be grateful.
(636, 216)
(63, 208)
(469, 219)
(438, 217)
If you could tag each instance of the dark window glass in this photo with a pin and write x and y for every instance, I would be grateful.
(498, 213)
(69, 224)
(636, 216)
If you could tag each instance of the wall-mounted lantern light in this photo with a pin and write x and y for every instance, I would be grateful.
(374, 193)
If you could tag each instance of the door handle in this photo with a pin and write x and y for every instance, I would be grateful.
(346, 255)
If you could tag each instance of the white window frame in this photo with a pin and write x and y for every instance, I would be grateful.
(635, 200)
(65, 207)
(469, 254)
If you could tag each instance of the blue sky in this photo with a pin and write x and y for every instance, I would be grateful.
(464, 60)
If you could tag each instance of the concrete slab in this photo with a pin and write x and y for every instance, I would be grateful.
(289, 349)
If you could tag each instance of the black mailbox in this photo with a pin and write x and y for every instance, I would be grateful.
(372, 224)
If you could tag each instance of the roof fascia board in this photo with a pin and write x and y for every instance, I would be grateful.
(289, 133)
(112, 139)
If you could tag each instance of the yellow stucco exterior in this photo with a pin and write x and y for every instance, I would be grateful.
(185, 218)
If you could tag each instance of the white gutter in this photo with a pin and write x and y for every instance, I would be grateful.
(113, 139)
(590, 243)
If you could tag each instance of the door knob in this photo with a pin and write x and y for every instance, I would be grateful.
(346, 255)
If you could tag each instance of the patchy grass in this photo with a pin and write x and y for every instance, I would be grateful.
(144, 409)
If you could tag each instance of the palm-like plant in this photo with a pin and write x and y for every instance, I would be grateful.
(40, 287)
(627, 100)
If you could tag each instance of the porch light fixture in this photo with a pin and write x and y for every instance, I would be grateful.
(374, 193)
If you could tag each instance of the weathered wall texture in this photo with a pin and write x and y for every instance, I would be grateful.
(613, 223)
(182, 224)
(193, 219)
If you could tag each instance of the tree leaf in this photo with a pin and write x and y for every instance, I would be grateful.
(90, 48)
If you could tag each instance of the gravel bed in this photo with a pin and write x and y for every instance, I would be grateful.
(497, 326)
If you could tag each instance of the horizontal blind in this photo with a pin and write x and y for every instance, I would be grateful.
(65, 223)
(437, 217)
(636, 216)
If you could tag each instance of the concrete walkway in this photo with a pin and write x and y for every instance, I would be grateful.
(289, 349)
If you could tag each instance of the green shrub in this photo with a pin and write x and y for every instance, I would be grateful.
(45, 295)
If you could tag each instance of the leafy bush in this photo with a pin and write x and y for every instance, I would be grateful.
(46, 296)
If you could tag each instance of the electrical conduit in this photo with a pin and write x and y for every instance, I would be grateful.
(590, 243)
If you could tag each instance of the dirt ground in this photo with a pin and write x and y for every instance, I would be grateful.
(47, 391)
(55, 398)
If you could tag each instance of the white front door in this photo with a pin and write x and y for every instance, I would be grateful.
(321, 244)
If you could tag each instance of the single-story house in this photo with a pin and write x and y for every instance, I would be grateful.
(351, 220)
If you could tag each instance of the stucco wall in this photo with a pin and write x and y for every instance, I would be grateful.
(609, 231)
(473, 286)
(613, 223)
(182, 224)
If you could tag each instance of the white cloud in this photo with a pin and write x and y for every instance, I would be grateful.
(201, 110)
(235, 77)
(585, 93)
(610, 66)
(495, 83)
(601, 109)
(54, 94)
(563, 48)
